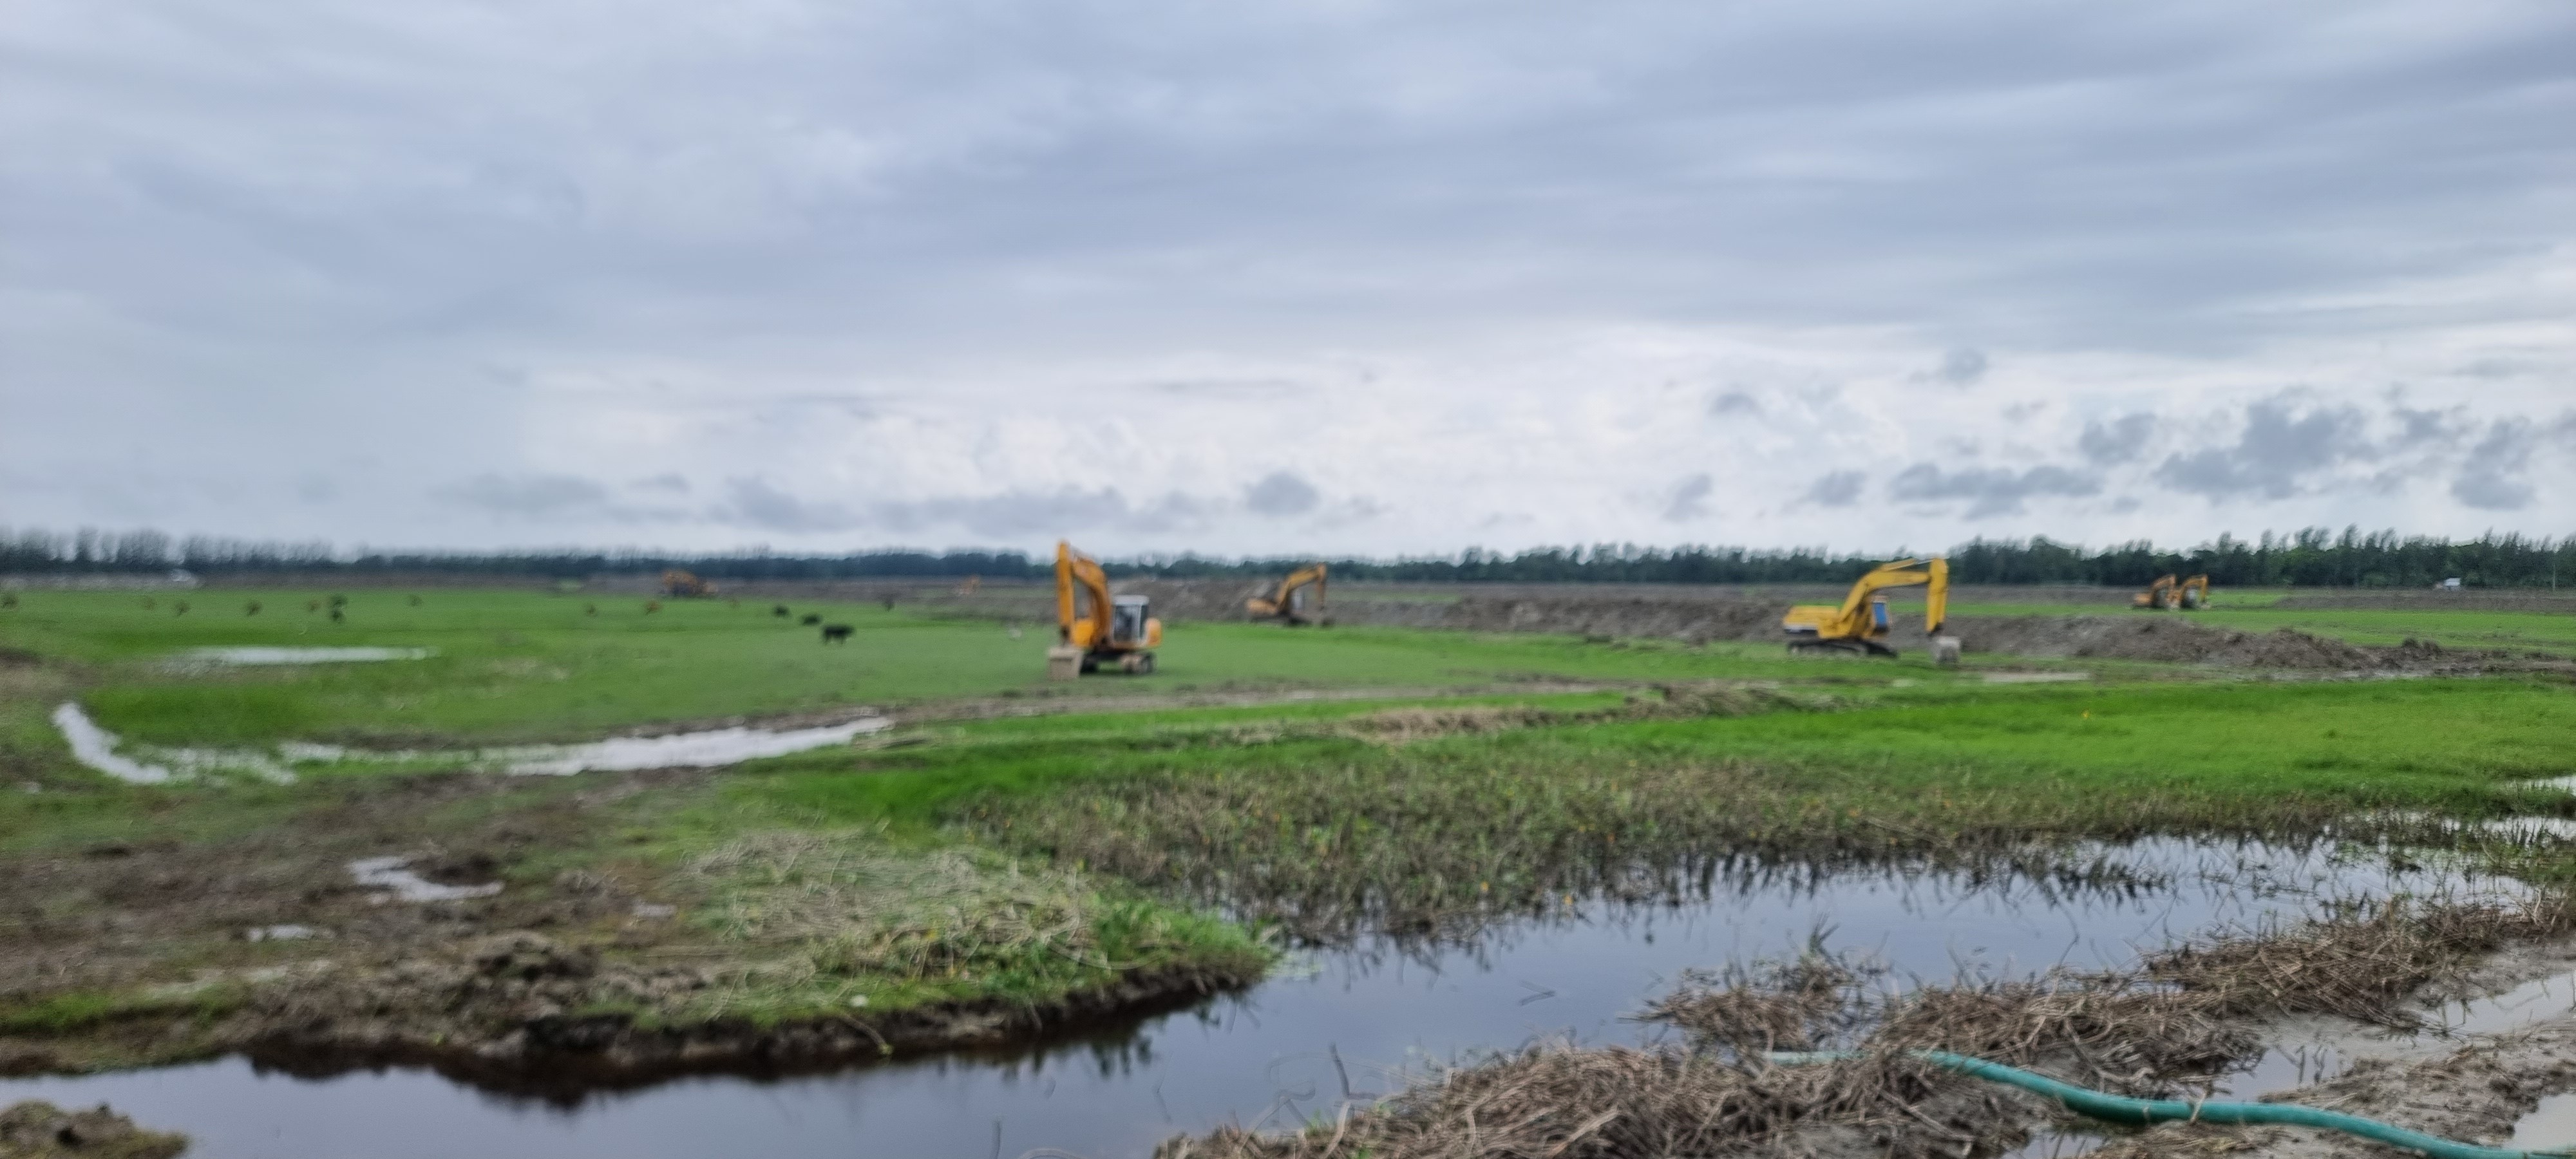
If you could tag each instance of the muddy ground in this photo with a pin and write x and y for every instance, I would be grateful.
(2471, 1089)
(287, 957)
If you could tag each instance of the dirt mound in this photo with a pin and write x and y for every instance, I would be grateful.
(40, 1130)
(1696, 621)
(2158, 638)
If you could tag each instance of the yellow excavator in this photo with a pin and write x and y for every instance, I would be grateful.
(1861, 622)
(2166, 594)
(1112, 632)
(1285, 605)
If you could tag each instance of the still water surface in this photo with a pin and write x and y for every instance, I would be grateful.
(1278, 1053)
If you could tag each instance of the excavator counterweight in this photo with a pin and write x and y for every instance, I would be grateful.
(1861, 623)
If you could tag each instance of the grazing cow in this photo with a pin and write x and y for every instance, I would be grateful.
(590, 609)
(836, 633)
(415, 601)
(652, 606)
(251, 608)
(8, 600)
(182, 607)
(336, 617)
(810, 620)
(779, 610)
(889, 603)
(312, 605)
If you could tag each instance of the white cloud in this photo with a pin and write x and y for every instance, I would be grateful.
(1508, 276)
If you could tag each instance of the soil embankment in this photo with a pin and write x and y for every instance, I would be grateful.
(1703, 615)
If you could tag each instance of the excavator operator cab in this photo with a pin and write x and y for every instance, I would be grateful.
(1127, 621)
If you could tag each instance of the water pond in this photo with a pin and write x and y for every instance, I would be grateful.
(1332, 1026)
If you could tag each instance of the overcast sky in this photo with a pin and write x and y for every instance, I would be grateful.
(1276, 277)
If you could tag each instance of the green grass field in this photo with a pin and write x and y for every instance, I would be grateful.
(1448, 780)
(527, 667)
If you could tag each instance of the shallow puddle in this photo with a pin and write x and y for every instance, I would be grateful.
(259, 656)
(2550, 1125)
(97, 749)
(707, 749)
(1327, 1029)
(392, 875)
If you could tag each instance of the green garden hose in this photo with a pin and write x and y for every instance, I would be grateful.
(2119, 1109)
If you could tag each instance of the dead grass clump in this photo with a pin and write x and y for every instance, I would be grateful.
(1397, 726)
(2106, 1031)
(1419, 843)
(1564, 1102)
(1726, 699)
(2152, 1033)
(2361, 963)
(860, 907)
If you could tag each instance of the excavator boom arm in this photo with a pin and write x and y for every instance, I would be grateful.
(1074, 568)
(1280, 601)
(1852, 618)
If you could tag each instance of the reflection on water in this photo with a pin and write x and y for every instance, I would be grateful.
(1333, 1027)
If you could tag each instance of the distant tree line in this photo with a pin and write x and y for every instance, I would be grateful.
(2316, 557)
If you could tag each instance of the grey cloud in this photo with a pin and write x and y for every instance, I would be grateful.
(753, 502)
(2120, 441)
(1241, 389)
(2423, 428)
(1990, 490)
(2273, 455)
(670, 481)
(1060, 512)
(524, 495)
(1690, 498)
(1281, 493)
(888, 188)
(2491, 480)
(1962, 366)
(1838, 489)
(1734, 402)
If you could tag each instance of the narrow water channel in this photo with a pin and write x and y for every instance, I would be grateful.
(1331, 1026)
